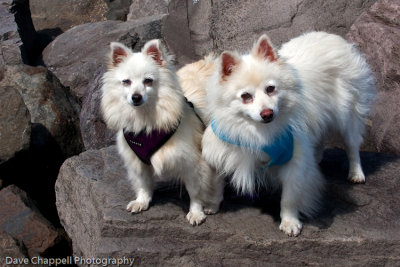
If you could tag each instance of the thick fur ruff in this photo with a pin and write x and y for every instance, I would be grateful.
(141, 92)
(316, 83)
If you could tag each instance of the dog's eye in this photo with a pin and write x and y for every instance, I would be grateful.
(247, 98)
(126, 82)
(148, 82)
(270, 89)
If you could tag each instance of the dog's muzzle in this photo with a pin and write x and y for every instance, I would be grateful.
(137, 99)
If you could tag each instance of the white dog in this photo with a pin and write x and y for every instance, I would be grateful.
(270, 112)
(159, 135)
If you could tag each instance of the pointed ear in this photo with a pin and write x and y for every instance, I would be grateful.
(229, 61)
(156, 49)
(118, 53)
(264, 49)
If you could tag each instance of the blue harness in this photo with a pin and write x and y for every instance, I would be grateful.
(280, 151)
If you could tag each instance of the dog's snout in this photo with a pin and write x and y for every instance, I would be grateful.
(267, 115)
(137, 99)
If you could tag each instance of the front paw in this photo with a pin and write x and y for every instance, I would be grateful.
(196, 218)
(137, 206)
(211, 209)
(357, 177)
(292, 227)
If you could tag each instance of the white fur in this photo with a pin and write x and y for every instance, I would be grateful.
(322, 84)
(163, 108)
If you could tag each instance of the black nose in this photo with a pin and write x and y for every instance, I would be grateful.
(267, 115)
(137, 99)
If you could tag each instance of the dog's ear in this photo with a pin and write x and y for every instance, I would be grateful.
(158, 51)
(229, 61)
(264, 49)
(118, 53)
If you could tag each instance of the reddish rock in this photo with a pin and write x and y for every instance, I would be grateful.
(20, 219)
(377, 33)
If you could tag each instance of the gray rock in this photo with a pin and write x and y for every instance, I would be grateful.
(54, 112)
(358, 224)
(229, 25)
(146, 8)
(10, 40)
(377, 33)
(20, 219)
(15, 123)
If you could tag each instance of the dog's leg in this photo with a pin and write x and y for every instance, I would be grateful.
(302, 185)
(214, 193)
(143, 184)
(193, 183)
(352, 136)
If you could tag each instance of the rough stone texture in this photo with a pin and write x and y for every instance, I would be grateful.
(117, 9)
(359, 224)
(9, 247)
(54, 113)
(10, 41)
(145, 8)
(377, 32)
(63, 15)
(15, 126)
(218, 25)
(21, 220)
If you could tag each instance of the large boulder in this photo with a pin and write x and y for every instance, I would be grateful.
(15, 123)
(358, 224)
(53, 111)
(217, 25)
(20, 219)
(377, 33)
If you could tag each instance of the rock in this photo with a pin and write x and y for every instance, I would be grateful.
(9, 247)
(15, 125)
(20, 219)
(51, 14)
(54, 113)
(10, 41)
(146, 8)
(229, 25)
(377, 33)
(358, 224)
(117, 9)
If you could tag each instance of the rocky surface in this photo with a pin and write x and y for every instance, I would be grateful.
(15, 123)
(53, 111)
(229, 25)
(358, 225)
(10, 248)
(10, 40)
(146, 8)
(377, 33)
(23, 222)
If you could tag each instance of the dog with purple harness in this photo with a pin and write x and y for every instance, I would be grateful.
(158, 132)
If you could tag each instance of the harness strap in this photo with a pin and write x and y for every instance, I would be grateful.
(280, 150)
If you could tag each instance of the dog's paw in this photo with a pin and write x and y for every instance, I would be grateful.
(291, 227)
(137, 206)
(211, 210)
(357, 177)
(195, 218)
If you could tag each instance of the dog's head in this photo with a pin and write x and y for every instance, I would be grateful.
(137, 75)
(254, 86)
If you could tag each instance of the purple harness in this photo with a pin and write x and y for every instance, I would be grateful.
(145, 145)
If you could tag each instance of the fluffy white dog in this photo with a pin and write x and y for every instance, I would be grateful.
(270, 111)
(159, 135)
